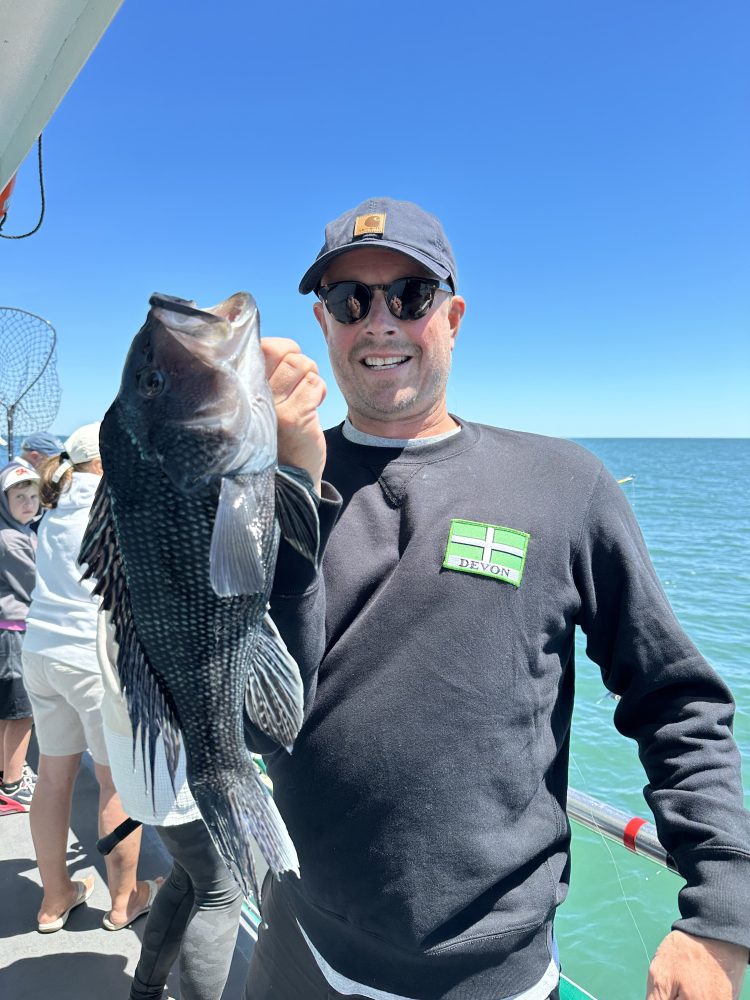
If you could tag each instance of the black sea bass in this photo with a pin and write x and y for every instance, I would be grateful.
(182, 541)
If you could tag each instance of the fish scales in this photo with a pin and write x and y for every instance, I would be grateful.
(190, 627)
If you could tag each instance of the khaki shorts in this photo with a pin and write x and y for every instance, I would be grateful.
(66, 702)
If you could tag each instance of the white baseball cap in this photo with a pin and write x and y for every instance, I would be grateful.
(14, 475)
(83, 444)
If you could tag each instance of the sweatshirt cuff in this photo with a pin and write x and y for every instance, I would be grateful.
(294, 574)
(714, 904)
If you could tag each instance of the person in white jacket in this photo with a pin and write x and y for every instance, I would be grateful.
(64, 685)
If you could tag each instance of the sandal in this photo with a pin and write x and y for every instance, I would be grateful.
(84, 890)
(153, 888)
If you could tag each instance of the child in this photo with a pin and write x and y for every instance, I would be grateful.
(19, 505)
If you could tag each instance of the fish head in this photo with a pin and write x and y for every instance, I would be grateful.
(194, 397)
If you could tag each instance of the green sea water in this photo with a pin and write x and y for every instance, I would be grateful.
(692, 499)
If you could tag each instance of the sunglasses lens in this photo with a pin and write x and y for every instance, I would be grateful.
(408, 298)
(411, 298)
(348, 301)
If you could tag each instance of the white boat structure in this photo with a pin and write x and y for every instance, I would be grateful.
(45, 44)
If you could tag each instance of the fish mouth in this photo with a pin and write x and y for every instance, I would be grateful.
(223, 343)
(217, 334)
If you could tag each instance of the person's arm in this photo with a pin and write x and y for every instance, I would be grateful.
(18, 568)
(680, 713)
(693, 968)
(298, 596)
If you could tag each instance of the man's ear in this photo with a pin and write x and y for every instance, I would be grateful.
(319, 310)
(455, 315)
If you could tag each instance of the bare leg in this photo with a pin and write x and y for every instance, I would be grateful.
(127, 895)
(16, 734)
(50, 821)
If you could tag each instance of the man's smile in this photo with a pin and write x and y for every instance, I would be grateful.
(392, 361)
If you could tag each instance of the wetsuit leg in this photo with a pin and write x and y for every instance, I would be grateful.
(209, 939)
(195, 917)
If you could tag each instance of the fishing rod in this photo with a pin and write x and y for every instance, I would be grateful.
(638, 835)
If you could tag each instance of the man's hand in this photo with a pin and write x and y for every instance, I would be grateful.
(686, 967)
(298, 391)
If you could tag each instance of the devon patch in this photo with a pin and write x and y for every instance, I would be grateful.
(486, 550)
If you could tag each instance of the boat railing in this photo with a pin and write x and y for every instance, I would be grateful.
(638, 835)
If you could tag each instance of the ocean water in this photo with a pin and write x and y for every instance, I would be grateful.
(692, 500)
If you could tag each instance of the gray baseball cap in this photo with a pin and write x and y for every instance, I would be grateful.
(395, 225)
(43, 442)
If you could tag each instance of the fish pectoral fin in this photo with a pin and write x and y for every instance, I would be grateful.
(297, 511)
(235, 563)
(275, 696)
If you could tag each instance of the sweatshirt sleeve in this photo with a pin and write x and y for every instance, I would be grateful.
(298, 609)
(677, 709)
(17, 574)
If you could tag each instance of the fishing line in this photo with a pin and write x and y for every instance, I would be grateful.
(612, 859)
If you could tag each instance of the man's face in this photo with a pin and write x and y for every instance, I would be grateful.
(23, 501)
(405, 395)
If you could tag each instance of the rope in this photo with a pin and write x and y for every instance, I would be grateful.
(36, 228)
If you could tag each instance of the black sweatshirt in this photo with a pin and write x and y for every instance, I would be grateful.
(426, 791)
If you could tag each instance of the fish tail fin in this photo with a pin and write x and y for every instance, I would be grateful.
(229, 812)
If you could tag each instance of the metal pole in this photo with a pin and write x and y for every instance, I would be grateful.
(636, 834)
(10, 432)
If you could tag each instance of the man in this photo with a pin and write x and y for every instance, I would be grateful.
(458, 560)
(38, 448)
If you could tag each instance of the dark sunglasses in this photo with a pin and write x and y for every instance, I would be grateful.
(407, 298)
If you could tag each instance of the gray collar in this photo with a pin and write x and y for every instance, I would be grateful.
(351, 433)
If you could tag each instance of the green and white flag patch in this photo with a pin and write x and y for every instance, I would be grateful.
(486, 550)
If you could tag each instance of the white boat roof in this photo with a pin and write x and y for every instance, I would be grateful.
(43, 46)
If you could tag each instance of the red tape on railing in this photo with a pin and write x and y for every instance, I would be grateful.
(631, 832)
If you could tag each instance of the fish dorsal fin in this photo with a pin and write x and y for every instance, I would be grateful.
(235, 562)
(148, 707)
(275, 696)
(99, 554)
(297, 511)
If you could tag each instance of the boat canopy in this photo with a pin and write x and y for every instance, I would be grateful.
(44, 46)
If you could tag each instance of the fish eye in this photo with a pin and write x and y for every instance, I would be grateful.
(151, 382)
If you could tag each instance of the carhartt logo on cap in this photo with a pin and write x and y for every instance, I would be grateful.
(486, 550)
(368, 225)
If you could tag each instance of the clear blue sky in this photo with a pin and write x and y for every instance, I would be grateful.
(590, 162)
